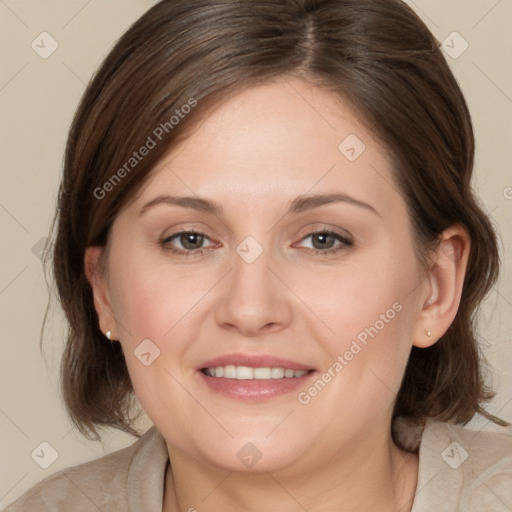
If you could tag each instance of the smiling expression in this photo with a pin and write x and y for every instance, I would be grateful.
(265, 243)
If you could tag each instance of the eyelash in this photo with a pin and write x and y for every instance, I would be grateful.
(344, 243)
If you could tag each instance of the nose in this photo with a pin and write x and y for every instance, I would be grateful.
(253, 299)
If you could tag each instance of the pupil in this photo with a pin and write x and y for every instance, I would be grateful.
(326, 241)
(190, 240)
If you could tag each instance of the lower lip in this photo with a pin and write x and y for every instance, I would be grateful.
(255, 389)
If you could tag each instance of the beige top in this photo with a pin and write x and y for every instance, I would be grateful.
(460, 470)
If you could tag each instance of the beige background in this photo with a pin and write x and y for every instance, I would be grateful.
(37, 100)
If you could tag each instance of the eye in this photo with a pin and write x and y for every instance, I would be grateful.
(327, 242)
(186, 242)
(192, 242)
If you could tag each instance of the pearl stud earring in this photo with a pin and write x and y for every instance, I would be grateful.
(429, 334)
(108, 334)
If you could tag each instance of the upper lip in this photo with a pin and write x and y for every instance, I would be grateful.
(254, 361)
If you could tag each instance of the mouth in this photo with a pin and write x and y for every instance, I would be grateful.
(231, 371)
(253, 377)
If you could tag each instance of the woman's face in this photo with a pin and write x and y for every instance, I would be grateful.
(301, 258)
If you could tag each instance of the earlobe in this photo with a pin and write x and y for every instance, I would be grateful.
(96, 277)
(445, 280)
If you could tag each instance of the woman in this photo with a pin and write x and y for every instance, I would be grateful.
(266, 235)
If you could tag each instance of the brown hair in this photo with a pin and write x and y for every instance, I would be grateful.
(377, 54)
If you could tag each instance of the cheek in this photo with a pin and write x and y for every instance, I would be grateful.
(361, 294)
(150, 299)
(152, 303)
(370, 309)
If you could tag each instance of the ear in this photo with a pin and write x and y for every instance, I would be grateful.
(443, 288)
(97, 279)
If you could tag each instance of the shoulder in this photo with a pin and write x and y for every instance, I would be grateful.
(101, 484)
(463, 469)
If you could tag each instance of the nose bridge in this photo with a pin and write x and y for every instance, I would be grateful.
(252, 283)
(253, 298)
(250, 272)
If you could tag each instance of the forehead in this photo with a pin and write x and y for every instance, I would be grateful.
(269, 143)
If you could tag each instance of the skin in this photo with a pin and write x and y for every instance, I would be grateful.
(253, 155)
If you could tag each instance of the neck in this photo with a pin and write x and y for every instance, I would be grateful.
(373, 476)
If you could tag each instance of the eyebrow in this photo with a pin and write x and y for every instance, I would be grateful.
(298, 205)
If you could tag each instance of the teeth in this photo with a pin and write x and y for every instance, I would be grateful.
(277, 373)
(248, 373)
(262, 373)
